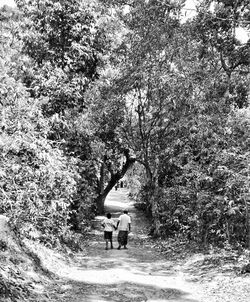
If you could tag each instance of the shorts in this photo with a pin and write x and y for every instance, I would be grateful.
(107, 235)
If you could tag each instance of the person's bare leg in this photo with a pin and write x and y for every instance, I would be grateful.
(111, 244)
(107, 243)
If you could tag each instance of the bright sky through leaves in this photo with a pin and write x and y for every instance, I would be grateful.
(7, 2)
(188, 12)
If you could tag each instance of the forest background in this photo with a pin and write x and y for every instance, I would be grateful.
(93, 90)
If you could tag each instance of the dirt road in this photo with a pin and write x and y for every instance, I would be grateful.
(136, 274)
(139, 273)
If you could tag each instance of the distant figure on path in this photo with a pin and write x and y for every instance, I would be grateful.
(109, 226)
(124, 224)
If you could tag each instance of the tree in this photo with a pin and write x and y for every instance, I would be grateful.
(68, 42)
(37, 182)
(111, 156)
(61, 39)
(146, 83)
(180, 83)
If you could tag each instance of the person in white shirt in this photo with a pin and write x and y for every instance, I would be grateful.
(109, 225)
(124, 226)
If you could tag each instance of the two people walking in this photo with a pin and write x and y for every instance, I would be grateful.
(124, 227)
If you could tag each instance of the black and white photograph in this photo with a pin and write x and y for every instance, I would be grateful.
(124, 150)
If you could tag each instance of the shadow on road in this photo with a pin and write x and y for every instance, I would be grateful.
(123, 292)
(136, 274)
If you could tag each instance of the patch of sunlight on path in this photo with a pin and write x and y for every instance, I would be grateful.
(138, 274)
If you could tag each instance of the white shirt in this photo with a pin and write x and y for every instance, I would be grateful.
(125, 220)
(108, 224)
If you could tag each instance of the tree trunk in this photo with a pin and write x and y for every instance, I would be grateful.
(115, 177)
(100, 203)
(205, 235)
(155, 197)
(247, 204)
(156, 217)
(228, 230)
(102, 197)
(101, 182)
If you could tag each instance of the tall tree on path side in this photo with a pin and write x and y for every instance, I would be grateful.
(62, 39)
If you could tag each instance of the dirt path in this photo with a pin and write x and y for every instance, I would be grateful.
(137, 274)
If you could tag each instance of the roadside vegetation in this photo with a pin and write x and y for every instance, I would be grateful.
(91, 91)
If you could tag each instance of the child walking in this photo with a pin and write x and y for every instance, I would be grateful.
(109, 225)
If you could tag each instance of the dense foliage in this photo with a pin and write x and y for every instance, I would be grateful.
(186, 87)
(91, 90)
(40, 181)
